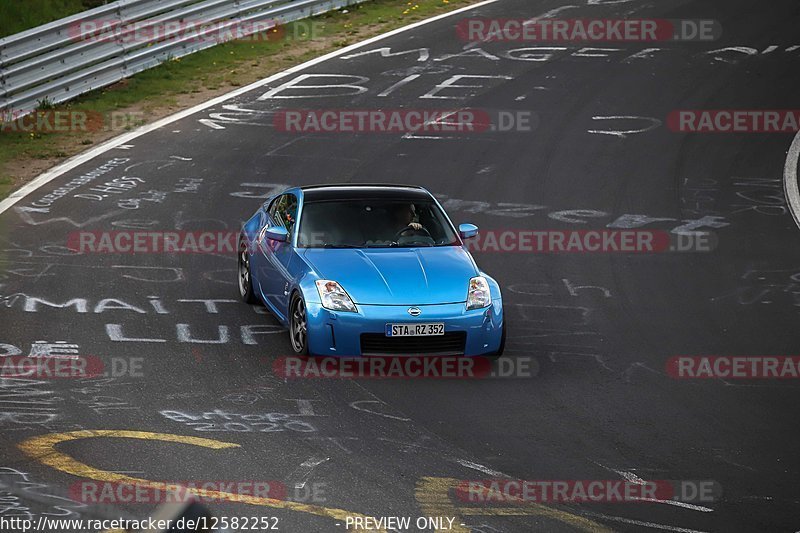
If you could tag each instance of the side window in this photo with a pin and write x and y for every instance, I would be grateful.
(273, 206)
(283, 211)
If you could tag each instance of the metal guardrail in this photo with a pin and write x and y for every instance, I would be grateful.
(96, 48)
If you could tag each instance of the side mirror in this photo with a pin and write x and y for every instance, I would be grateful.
(468, 231)
(277, 233)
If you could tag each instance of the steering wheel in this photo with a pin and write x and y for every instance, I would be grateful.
(409, 227)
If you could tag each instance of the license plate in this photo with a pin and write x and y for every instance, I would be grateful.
(414, 330)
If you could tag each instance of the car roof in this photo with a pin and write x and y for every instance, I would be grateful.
(356, 191)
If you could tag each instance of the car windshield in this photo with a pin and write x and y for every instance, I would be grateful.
(374, 223)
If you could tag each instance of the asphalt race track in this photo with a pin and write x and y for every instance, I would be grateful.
(598, 327)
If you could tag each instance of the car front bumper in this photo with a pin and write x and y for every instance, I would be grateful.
(335, 333)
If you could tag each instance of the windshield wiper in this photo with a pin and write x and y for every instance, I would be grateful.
(412, 245)
(329, 245)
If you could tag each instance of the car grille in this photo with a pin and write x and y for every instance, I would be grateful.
(451, 343)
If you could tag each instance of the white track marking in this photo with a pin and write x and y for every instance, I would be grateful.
(790, 179)
(357, 406)
(550, 14)
(305, 469)
(120, 141)
(427, 137)
(305, 408)
(547, 15)
(480, 468)
(652, 525)
(629, 477)
(314, 462)
(633, 478)
(676, 503)
(274, 151)
(654, 123)
(211, 124)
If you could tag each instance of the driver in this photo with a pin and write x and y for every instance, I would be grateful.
(403, 217)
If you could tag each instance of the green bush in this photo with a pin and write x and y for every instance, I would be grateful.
(20, 15)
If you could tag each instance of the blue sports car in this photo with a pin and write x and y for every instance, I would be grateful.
(369, 270)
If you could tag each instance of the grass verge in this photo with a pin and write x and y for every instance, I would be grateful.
(21, 15)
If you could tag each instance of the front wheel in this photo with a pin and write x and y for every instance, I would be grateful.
(246, 292)
(298, 326)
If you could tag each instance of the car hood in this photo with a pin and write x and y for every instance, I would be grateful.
(397, 276)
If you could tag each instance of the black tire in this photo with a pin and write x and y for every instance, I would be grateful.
(298, 326)
(245, 284)
(499, 353)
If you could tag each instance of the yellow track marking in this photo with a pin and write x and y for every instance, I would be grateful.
(43, 449)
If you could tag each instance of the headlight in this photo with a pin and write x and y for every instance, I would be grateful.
(334, 296)
(478, 296)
